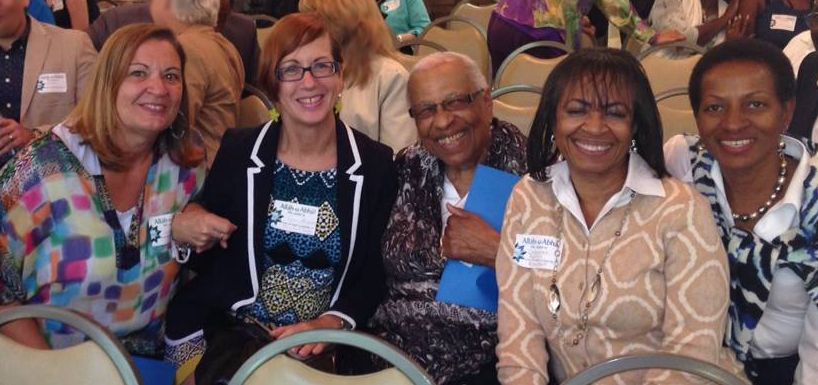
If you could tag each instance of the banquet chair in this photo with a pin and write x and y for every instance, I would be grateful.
(677, 117)
(254, 108)
(519, 115)
(622, 364)
(269, 366)
(100, 360)
(409, 61)
(522, 68)
(469, 40)
(480, 14)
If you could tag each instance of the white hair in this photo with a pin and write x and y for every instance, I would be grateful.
(203, 12)
(438, 58)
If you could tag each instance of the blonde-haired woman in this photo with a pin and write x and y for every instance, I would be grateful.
(85, 210)
(374, 98)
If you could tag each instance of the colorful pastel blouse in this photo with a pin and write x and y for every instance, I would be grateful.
(57, 247)
(567, 14)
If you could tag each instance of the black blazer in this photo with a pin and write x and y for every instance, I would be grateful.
(238, 188)
(806, 98)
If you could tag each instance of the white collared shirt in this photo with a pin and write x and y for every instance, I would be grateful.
(782, 216)
(789, 310)
(641, 179)
(798, 48)
(452, 197)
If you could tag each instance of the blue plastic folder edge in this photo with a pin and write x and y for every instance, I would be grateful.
(472, 285)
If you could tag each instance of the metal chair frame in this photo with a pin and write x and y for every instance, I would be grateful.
(344, 337)
(95, 332)
(690, 365)
(522, 49)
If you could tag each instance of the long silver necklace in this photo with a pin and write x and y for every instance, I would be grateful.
(592, 293)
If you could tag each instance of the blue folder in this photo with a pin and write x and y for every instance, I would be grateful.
(473, 285)
(155, 372)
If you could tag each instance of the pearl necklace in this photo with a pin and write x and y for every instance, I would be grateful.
(779, 185)
(554, 297)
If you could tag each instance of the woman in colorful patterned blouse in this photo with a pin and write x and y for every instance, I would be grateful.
(309, 197)
(517, 22)
(603, 254)
(85, 211)
(762, 186)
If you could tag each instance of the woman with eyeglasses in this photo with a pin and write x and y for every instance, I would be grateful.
(602, 253)
(452, 108)
(289, 222)
(374, 98)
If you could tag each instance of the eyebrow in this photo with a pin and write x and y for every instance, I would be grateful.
(606, 105)
(316, 60)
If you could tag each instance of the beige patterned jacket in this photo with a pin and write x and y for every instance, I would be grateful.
(664, 287)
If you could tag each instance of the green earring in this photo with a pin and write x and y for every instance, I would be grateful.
(274, 114)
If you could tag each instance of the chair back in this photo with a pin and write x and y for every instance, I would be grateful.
(266, 365)
(254, 108)
(667, 74)
(479, 14)
(522, 68)
(409, 61)
(690, 365)
(470, 41)
(677, 117)
(264, 26)
(519, 115)
(101, 360)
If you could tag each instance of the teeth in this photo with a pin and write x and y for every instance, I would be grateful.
(590, 147)
(310, 100)
(735, 143)
(446, 140)
(154, 107)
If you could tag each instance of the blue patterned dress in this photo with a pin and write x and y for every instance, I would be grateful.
(298, 269)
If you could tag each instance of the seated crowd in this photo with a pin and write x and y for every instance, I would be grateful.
(129, 194)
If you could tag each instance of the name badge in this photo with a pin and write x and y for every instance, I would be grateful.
(390, 5)
(56, 5)
(159, 229)
(294, 217)
(783, 22)
(537, 251)
(52, 83)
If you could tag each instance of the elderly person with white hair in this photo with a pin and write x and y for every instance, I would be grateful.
(451, 104)
(214, 72)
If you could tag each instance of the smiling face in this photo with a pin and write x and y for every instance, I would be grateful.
(740, 118)
(459, 138)
(593, 128)
(309, 102)
(148, 98)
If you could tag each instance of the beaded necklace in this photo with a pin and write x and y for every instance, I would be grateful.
(592, 294)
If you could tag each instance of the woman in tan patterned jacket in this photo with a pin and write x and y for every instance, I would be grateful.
(603, 254)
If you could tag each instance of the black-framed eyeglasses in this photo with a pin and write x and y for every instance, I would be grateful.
(295, 72)
(452, 103)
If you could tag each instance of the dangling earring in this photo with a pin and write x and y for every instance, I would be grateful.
(273, 114)
(176, 131)
(338, 106)
(554, 149)
(781, 147)
(633, 146)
